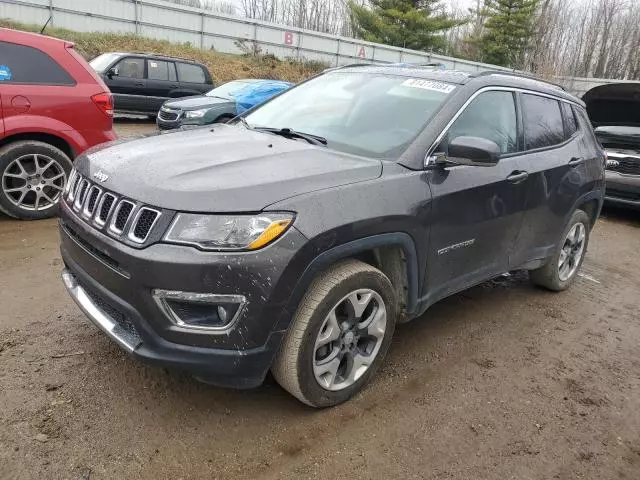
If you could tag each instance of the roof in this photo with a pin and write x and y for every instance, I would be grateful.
(154, 55)
(428, 73)
(482, 78)
(30, 38)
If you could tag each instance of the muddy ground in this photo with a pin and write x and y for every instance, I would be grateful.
(503, 381)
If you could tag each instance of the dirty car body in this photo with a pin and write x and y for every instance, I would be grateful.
(357, 170)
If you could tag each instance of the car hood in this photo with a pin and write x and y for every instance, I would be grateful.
(225, 169)
(196, 102)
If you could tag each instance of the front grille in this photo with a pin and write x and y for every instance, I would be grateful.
(626, 165)
(144, 223)
(120, 318)
(106, 204)
(92, 200)
(168, 116)
(123, 212)
(105, 210)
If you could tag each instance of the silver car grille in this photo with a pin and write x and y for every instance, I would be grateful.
(169, 115)
(107, 211)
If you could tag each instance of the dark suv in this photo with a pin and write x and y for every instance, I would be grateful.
(142, 82)
(297, 237)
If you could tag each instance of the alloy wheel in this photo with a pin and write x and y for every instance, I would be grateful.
(572, 252)
(34, 182)
(349, 339)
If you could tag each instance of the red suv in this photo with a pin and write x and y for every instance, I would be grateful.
(53, 106)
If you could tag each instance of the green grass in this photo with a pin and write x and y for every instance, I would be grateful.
(223, 67)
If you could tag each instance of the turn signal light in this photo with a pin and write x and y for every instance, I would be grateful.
(272, 232)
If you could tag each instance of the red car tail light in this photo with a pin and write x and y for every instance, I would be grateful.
(104, 101)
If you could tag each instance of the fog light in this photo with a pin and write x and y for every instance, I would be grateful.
(200, 311)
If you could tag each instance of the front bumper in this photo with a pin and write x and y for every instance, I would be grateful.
(113, 285)
(622, 190)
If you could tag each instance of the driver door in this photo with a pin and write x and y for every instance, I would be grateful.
(477, 211)
(129, 85)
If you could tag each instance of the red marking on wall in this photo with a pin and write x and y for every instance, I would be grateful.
(362, 53)
(288, 38)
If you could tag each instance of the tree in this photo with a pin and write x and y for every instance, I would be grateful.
(415, 24)
(508, 30)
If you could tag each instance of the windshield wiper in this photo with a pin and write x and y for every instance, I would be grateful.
(288, 133)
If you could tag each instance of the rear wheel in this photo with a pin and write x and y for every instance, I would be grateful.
(562, 270)
(339, 336)
(32, 178)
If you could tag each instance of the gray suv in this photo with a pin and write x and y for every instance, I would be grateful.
(296, 238)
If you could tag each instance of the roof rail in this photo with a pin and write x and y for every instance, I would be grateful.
(155, 54)
(485, 73)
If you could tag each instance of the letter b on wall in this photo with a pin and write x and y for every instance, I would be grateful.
(288, 38)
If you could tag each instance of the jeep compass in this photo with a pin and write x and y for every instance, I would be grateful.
(295, 239)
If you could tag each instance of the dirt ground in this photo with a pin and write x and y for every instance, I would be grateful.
(503, 381)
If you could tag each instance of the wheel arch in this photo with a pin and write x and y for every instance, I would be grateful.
(392, 253)
(591, 204)
(54, 140)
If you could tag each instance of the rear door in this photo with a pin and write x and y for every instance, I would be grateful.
(161, 81)
(1, 115)
(193, 79)
(557, 172)
(477, 211)
(128, 85)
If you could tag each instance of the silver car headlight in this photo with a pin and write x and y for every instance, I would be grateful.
(196, 113)
(228, 232)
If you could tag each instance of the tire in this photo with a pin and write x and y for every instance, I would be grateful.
(550, 275)
(296, 361)
(16, 162)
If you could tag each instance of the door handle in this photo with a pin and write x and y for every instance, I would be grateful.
(139, 84)
(517, 177)
(173, 85)
(574, 162)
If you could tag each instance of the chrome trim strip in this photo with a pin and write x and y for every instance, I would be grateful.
(429, 156)
(112, 225)
(99, 318)
(131, 236)
(160, 297)
(77, 205)
(611, 154)
(70, 181)
(96, 220)
(86, 214)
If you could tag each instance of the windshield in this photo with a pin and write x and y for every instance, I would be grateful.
(101, 62)
(228, 89)
(374, 115)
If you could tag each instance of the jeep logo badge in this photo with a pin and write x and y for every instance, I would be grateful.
(100, 176)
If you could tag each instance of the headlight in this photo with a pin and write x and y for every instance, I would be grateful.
(196, 113)
(225, 232)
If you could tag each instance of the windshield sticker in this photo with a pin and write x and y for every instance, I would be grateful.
(5, 73)
(429, 85)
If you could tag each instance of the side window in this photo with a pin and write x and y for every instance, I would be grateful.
(491, 115)
(543, 125)
(130, 68)
(159, 70)
(27, 65)
(571, 124)
(190, 73)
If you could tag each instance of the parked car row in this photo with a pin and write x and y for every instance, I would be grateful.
(54, 106)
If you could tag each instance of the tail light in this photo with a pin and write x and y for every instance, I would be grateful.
(104, 101)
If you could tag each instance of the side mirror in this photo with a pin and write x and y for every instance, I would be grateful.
(112, 72)
(475, 151)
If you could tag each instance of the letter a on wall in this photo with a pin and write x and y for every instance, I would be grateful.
(361, 52)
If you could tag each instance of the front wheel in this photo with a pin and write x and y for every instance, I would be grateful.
(562, 270)
(339, 336)
(32, 178)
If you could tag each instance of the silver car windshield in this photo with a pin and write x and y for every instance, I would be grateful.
(374, 115)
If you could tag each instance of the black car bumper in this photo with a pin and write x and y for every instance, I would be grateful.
(623, 190)
(120, 301)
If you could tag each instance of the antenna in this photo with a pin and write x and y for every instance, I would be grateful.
(45, 25)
